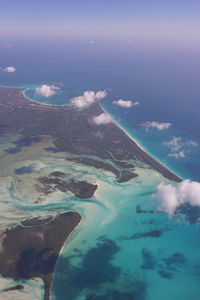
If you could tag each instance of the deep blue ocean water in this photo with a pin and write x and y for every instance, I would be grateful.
(113, 254)
(164, 79)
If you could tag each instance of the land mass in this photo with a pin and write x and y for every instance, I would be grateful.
(62, 182)
(30, 252)
(74, 131)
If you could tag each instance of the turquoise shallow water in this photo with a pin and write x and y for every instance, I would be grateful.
(117, 253)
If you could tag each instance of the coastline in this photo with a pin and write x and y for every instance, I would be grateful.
(138, 144)
(47, 293)
(24, 89)
(41, 103)
(61, 250)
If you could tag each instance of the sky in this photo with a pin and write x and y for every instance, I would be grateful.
(156, 18)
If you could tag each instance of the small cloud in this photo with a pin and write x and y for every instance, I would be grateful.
(92, 42)
(88, 98)
(191, 143)
(125, 103)
(46, 90)
(156, 125)
(9, 69)
(178, 155)
(179, 148)
(175, 144)
(170, 196)
(102, 119)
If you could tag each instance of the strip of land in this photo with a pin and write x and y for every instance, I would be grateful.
(32, 251)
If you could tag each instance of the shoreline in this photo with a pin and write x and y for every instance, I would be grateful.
(47, 293)
(61, 250)
(41, 103)
(137, 143)
(24, 89)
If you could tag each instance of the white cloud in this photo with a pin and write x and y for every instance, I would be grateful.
(171, 196)
(175, 144)
(191, 143)
(178, 147)
(46, 90)
(156, 125)
(178, 155)
(88, 98)
(9, 69)
(102, 119)
(125, 103)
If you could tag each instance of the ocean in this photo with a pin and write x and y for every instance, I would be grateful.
(116, 253)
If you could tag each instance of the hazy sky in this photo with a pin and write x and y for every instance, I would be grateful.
(103, 17)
